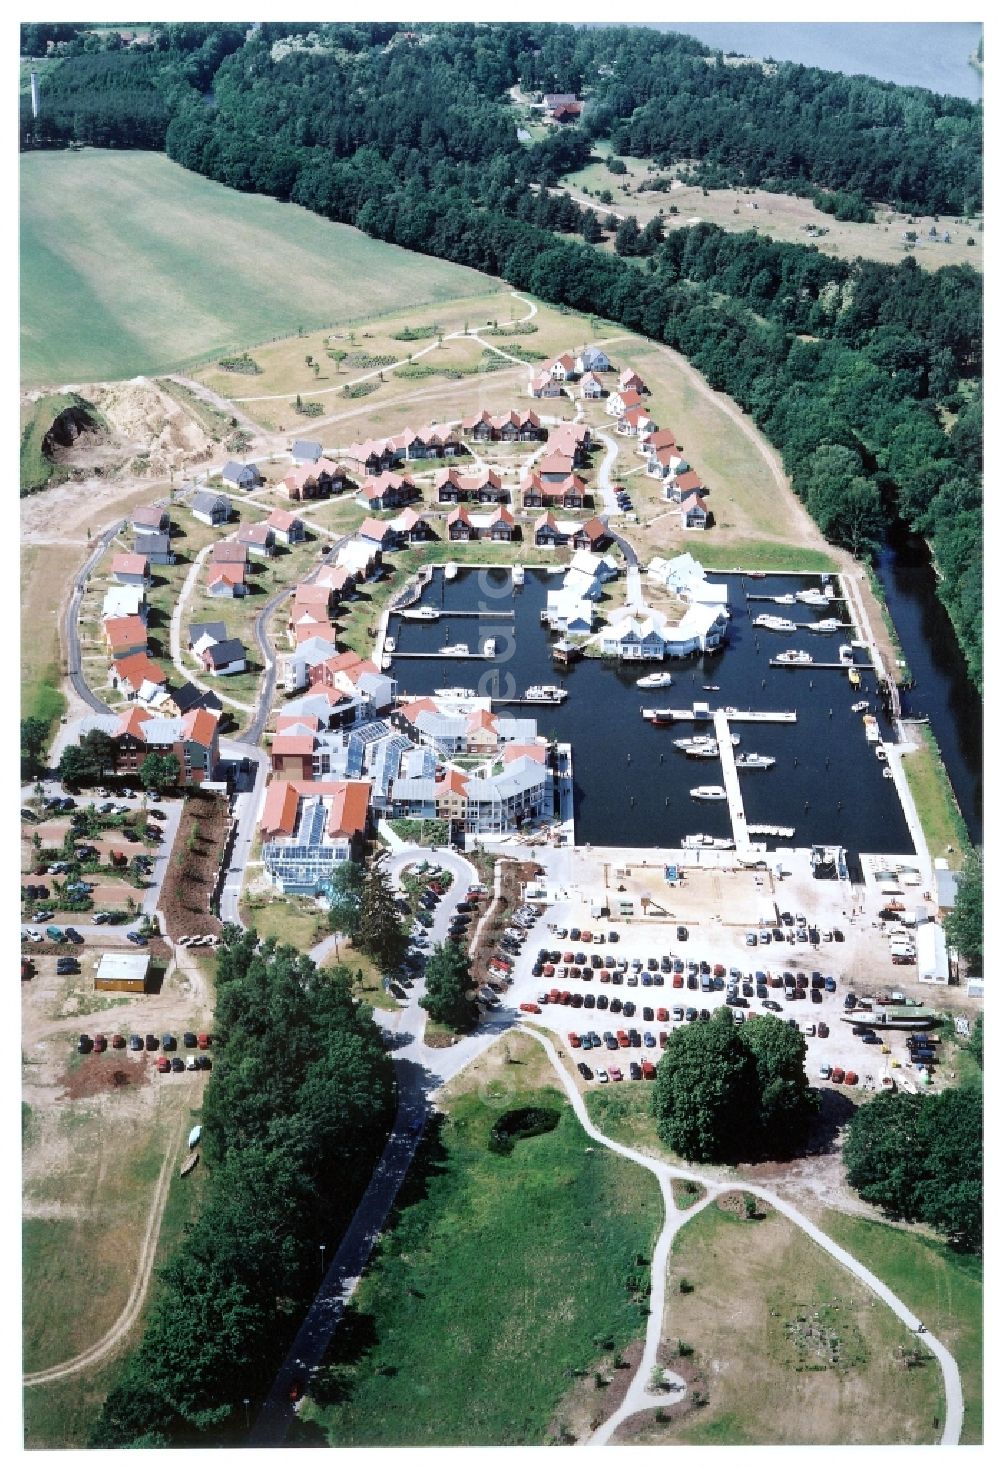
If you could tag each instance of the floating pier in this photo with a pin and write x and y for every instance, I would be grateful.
(731, 780)
(443, 656)
(692, 715)
(824, 666)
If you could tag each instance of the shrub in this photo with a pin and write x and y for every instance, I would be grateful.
(245, 365)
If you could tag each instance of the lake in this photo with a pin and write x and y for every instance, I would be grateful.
(932, 54)
(632, 787)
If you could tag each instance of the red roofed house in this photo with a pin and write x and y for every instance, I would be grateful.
(543, 384)
(388, 491)
(125, 635)
(226, 580)
(569, 494)
(412, 528)
(379, 532)
(193, 739)
(694, 512)
(130, 570)
(288, 528)
(460, 527)
(619, 402)
(292, 755)
(479, 427)
(554, 467)
(501, 525)
(310, 826)
(257, 539)
(229, 552)
(591, 536)
(628, 379)
(563, 368)
(315, 481)
(547, 532)
(129, 673)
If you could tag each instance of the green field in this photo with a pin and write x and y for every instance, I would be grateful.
(130, 264)
(500, 1279)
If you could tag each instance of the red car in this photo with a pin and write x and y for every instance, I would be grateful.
(118, 1041)
(837, 1076)
(530, 1008)
(554, 996)
(663, 1038)
(548, 969)
(614, 1073)
(605, 975)
(100, 1043)
(850, 1078)
(662, 1016)
(623, 1039)
(678, 980)
(569, 957)
(586, 937)
(648, 1070)
(719, 971)
(163, 1065)
(574, 1040)
(204, 1040)
(565, 996)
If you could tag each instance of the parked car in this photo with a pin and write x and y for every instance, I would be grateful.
(177, 1065)
(135, 1041)
(137, 939)
(163, 1065)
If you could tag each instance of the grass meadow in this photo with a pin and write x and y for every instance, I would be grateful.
(499, 1280)
(782, 1346)
(131, 264)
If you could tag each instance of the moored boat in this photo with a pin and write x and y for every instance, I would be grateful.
(517, 575)
(774, 623)
(793, 657)
(860, 706)
(871, 727)
(457, 693)
(421, 613)
(854, 677)
(490, 647)
(812, 597)
(708, 792)
(454, 649)
(706, 842)
(787, 600)
(755, 761)
(450, 571)
(544, 693)
(828, 624)
(655, 680)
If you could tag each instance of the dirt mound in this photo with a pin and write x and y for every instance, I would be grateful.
(146, 434)
(116, 1069)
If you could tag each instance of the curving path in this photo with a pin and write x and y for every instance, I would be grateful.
(116, 1335)
(638, 1396)
(472, 334)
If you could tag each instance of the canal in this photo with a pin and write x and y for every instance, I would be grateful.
(942, 691)
(632, 786)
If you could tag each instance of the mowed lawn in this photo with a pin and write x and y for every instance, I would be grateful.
(131, 264)
(498, 1277)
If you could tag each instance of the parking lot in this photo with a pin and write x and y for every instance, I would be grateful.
(106, 889)
(639, 984)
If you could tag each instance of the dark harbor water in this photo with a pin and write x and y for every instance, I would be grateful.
(942, 690)
(932, 54)
(632, 787)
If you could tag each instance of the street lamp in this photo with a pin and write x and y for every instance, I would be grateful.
(246, 1410)
(322, 1259)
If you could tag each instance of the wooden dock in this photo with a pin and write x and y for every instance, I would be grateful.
(731, 780)
(442, 656)
(824, 666)
(734, 715)
(753, 596)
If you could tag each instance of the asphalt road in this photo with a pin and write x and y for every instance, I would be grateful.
(71, 628)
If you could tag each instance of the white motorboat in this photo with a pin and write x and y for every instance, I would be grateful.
(710, 687)
(755, 761)
(655, 680)
(774, 623)
(389, 645)
(517, 575)
(787, 600)
(455, 649)
(871, 727)
(450, 571)
(490, 647)
(846, 653)
(707, 842)
(708, 750)
(880, 753)
(793, 657)
(455, 693)
(860, 706)
(698, 741)
(544, 693)
(812, 597)
(421, 613)
(708, 792)
(828, 624)
(887, 772)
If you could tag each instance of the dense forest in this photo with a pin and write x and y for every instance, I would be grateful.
(866, 377)
(295, 1116)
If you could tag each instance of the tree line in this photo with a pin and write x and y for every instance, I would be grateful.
(294, 1117)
